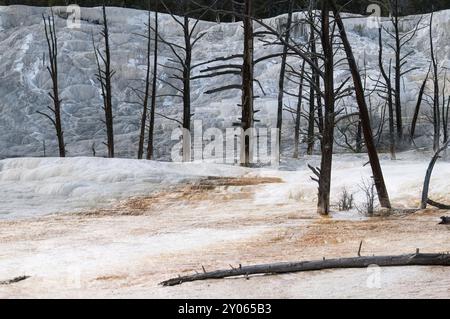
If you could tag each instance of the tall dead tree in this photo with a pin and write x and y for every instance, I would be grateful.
(298, 113)
(151, 129)
(418, 105)
(329, 116)
(436, 111)
(283, 73)
(55, 118)
(389, 94)
(315, 98)
(183, 68)
(445, 110)
(245, 69)
(247, 86)
(145, 98)
(104, 76)
(401, 38)
(377, 172)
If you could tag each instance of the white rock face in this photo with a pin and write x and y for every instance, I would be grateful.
(25, 81)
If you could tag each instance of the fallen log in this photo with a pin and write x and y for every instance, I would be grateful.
(438, 205)
(341, 263)
(14, 280)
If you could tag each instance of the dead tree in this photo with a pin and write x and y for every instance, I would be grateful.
(418, 105)
(247, 86)
(182, 58)
(55, 118)
(298, 113)
(145, 98)
(436, 111)
(445, 110)
(104, 76)
(283, 73)
(151, 129)
(417, 259)
(313, 88)
(324, 173)
(401, 39)
(377, 172)
(426, 184)
(389, 95)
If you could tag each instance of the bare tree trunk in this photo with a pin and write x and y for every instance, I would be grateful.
(104, 76)
(387, 80)
(108, 76)
(151, 129)
(299, 112)
(378, 177)
(187, 91)
(328, 129)
(398, 87)
(52, 42)
(445, 111)
(146, 91)
(436, 115)
(283, 72)
(316, 77)
(312, 93)
(417, 108)
(426, 184)
(247, 87)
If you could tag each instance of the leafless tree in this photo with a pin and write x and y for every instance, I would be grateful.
(436, 101)
(283, 72)
(378, 177)
(182, 58)
(418, 105)
(401, 38)
(104, 76)
(151, 138)
(55, 117)
(389, 94)
(146, 92)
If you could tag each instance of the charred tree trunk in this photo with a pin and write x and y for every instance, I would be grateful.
(436, 115)
(398, 72)
(378, 177)
(52, 42)
(418, 105)
(299, 112)
(146, 91)
(328, 129)
(283, 72)
(312, 93)
(104, 76)
(426, 184)
(247, 87)
(445, 120)
(108, 89)
(387, 80)
(187, 92)
(342, 263)
(151, 129)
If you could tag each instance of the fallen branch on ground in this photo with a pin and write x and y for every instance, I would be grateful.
(438, 205)
(341, 263)
(14, 280)
(445, 221)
